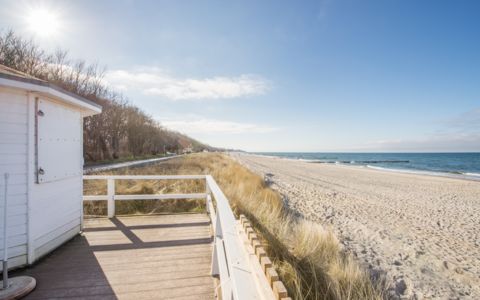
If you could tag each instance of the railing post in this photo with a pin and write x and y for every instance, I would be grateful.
(5, 236)
(208, 202)
(217, 237)
(208, 198)
(111, 198)
(207, 188)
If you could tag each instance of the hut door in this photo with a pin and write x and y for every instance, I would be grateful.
(58, 141)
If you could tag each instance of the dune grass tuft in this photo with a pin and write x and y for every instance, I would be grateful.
(308, 257)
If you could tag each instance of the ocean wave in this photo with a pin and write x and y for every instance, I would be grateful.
(472, 174)
(451, 174)
(353, 162)
(310, 160)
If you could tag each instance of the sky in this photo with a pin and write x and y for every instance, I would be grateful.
(305, 76)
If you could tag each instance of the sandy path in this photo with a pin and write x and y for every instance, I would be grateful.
(424, 231)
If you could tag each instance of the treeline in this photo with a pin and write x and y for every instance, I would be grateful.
(121, 130)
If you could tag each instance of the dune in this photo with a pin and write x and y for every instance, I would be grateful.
(422, 232)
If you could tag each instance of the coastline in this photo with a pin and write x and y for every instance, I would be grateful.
(452, 175)
(447, 174)
(421, 230)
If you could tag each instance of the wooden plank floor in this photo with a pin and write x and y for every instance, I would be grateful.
(138, 257)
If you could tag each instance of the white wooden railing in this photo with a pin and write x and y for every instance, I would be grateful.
(111, 197)
(229, 259)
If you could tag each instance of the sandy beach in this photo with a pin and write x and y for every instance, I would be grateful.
(422, 231)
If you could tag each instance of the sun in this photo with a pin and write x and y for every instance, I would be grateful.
(43, 22)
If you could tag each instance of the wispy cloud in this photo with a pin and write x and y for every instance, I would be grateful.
(212, 126)
(460, 133)
(444, 142)
(322, 9)
(156, 82)
(468, 121)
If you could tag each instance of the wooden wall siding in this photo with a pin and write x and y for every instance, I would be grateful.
(13, 160)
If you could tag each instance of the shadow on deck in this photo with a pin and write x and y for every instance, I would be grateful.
(133, 257)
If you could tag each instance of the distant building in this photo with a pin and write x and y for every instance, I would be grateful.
(187, 150)
(41, 141)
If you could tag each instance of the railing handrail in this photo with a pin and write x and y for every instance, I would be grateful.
(238, 267)
(229, 261)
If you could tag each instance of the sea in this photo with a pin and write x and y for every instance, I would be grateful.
(465, 165)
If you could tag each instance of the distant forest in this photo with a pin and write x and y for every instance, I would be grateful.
(122, 130)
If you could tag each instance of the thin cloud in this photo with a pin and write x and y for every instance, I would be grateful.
(468, 121)
(156, 82)
(457, 134)
(210, 126)
(446, 142)
(322, 9)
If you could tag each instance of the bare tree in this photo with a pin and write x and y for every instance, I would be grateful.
(122, 129)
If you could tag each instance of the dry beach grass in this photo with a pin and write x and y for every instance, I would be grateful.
(309, 258)
(422, 231)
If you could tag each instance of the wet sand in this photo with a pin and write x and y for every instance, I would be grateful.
(422, 231)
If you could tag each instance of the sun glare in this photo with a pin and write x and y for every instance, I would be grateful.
(43, 22)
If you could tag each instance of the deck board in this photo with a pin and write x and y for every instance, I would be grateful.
(134, 257)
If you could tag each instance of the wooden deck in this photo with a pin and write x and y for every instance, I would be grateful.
(138, 257)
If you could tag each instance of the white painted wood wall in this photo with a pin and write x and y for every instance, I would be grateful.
(41, 216)
(13, 159)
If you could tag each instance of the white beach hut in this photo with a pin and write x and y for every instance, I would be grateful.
(41, 142)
